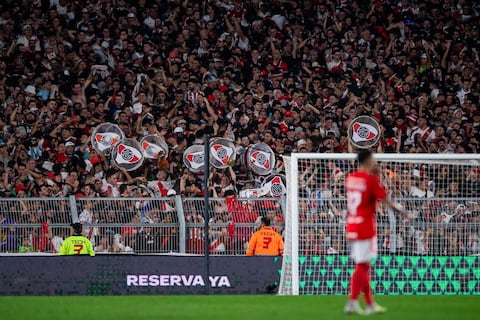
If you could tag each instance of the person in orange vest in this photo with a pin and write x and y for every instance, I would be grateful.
(265, 242)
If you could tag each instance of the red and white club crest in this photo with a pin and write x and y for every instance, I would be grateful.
(261, 159)
(127, 154)
(151, 151)
(363, 132)
(107, 140)
(196, 159)
(221, 153)
(275, 187)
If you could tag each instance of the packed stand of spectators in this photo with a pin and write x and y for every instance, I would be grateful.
(292, 74)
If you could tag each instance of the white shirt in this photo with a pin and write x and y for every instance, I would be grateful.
(57, 243)
(417, 193)
(23, 40)
(114, 189)
(427, 138)
(242, 44)
(154, 185)
(60, 10)
(461, 95)
(279, 20)
(87, 217)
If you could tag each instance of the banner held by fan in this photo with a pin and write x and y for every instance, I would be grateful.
(364, 132)
(105, 136)
(128, 154)
(194, 159)
(154, 147)
(275, 186)
(260, 158)
(252, 193)
(222, 153)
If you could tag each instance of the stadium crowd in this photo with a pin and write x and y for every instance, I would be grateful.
(292, 74)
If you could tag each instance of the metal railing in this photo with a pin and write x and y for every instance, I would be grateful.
(134, 225)
(176, 225)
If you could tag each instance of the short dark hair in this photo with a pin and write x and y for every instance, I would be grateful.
(266, 221)
(364, 155)
(229, 193)
(77, 227)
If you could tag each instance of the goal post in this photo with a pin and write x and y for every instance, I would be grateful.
(441, 191)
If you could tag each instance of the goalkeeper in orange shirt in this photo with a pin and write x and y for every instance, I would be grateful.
(265, 242)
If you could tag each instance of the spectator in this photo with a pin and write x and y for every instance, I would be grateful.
(104, 245)
(8, 239)
(147, 241)
(293, 74)
(26, 246)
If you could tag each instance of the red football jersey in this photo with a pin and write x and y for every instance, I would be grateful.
(363, 192)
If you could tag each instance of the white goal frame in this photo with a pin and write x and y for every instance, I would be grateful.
(292, 213)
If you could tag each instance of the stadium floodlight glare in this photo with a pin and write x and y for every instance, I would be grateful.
(434, 189)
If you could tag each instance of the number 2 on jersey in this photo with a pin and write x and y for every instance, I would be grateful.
(354, 199)
(77, 248)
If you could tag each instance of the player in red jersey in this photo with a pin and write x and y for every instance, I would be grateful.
(364, 190)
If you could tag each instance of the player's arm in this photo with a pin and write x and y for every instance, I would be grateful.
(396, 207)
(91, 252)
(252, 244)
(281, 245)
(382, 195)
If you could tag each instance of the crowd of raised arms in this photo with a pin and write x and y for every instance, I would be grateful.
(291, 74)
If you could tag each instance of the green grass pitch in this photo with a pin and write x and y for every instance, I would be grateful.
(232, 307)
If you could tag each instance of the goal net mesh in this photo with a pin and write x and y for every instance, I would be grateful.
(434, 253)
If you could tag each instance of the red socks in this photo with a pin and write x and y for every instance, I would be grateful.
(367, 291)
(356, 283)
(360, 283)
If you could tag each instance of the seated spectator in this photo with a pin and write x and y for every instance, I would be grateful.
(26, 246)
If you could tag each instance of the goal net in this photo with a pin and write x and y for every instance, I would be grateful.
(435, 252)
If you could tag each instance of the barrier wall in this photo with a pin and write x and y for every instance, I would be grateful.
(394, 275)
(135, 275)
(165, 275)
